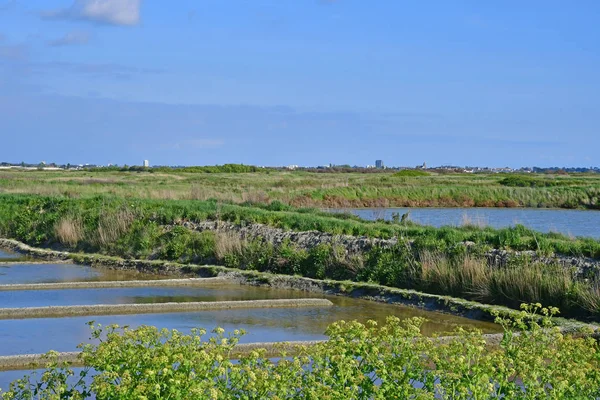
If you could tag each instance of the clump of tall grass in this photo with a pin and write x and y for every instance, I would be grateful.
(465, 275)
(229, 246)
(535, 281)
(477, 222)
(69, 231)
(471, 277)
(112, 225)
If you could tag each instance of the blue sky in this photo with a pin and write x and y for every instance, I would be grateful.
(308, 82)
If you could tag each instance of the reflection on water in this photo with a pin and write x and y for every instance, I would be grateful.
(49, 273)
(263, 325)
(7, 254)
(141, 295)
(568, 222)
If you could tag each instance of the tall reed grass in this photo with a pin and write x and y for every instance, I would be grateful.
(69, 231)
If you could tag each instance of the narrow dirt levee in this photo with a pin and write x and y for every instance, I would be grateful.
(114, 284)
(121, 309)
(35, 361)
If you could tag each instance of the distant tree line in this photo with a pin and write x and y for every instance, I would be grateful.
(225, 168)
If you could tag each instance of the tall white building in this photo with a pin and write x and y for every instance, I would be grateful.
(146, 163)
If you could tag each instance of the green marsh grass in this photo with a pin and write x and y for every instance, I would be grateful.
(301, 188)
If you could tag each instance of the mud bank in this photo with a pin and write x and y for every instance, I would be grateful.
(122, 309)
(114, 284)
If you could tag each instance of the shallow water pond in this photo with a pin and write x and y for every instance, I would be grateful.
(49, 273)
(142, 295)
(63, 334)
(263, 325)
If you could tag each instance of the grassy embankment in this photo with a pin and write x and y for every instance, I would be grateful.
(435, 262)
(404, 189)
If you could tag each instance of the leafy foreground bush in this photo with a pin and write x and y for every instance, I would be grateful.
(533, 361)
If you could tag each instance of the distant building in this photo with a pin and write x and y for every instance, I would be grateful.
(379, 164)
(146, 163)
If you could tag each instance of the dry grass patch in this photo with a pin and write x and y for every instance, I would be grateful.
(69, 231)
(470, 275)
(228, 244)
(113, 225)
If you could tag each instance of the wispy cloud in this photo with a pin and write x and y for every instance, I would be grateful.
(195, 144)
(71, 38)
(112, 12)
(13, 52)
(7, 5)
(115, 71)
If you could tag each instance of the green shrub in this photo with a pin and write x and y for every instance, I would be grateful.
(395, 266)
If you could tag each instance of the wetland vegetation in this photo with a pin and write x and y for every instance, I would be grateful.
(447, 261)
(152, 216)
(238, 184)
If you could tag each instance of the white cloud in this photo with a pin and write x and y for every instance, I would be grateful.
(113, 12)
(71, 38)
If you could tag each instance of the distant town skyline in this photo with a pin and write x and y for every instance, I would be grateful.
(508, 84)
(460, 168)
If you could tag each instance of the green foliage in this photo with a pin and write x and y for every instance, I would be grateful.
(289, 259)
(394, 266)
(257, 255)
(411, 173)
(536, 182)
(186, 246)
(359, 361)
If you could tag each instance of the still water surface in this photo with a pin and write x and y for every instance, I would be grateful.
(50, 273)
(263, 325)
(141, 295)
(569, 222)
(63, 334)
(6, 254)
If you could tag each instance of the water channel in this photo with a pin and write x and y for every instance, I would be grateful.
(568, 222)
